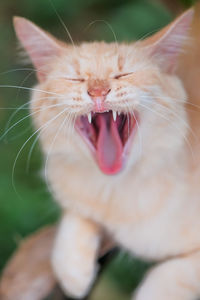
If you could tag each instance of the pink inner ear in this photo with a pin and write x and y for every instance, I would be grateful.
(168, 43)
(41, 47)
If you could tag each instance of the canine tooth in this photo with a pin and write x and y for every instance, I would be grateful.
(89, 118)
(118, 113)
(114, 115)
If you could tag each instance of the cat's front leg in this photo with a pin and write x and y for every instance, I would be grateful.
(74, 254)
(176, 279)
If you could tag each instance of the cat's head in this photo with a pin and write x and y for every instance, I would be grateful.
(111, 104)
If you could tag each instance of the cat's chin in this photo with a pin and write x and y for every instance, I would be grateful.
(109, 136)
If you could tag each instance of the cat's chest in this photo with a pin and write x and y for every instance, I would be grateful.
(141, 214)
(128, 199)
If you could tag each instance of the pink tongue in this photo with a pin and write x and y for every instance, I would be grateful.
(109, 146)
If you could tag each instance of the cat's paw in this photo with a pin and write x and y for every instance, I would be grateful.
(76, 284)
(174, 279)
(74, 255)
(74, 278)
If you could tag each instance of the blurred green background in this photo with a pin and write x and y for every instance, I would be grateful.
(25, 203)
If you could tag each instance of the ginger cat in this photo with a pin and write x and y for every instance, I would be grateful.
(121, 155)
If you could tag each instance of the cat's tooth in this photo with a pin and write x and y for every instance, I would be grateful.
(89, 118)
(118, 113)
(114, 115)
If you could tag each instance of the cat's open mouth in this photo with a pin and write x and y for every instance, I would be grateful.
(108, 135)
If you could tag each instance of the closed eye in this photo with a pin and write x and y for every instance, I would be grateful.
(75, 79)
(122, 75)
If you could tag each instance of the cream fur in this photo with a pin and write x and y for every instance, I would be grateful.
(151, 208)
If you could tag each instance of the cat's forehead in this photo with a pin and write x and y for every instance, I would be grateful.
(101, 59)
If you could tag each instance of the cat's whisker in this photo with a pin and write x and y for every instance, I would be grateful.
(27, 116)
(74, 118)
(51, 146)
(183, 122)
(17, 70)
(31, 151)
(73, 123)
(15, 124)
(31, 89)
(139, 133)
(145, 36)
(33, 145)
(19, 134)
(128, 125)
(109, 26)
(13, 114)
(126, 105)
(131, 111)
(12, 108)
(30, 137)
(32, 71)
(181, 101)
(185, 102)
(64, 25)
(68, 125)
(141, 66)
(25, 80)
(167, 109)
(72, 127)
(178, 129)
(22, 107)
(17, 109)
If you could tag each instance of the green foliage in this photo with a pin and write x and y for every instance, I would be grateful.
(188, 3)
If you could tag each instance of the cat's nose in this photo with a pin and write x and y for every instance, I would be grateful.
(100, 91)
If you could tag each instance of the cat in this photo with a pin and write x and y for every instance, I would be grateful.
(120, 156)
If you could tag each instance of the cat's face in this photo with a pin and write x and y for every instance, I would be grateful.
(107, 103)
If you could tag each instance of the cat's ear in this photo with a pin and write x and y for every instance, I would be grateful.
(165, 46)
(41, 47)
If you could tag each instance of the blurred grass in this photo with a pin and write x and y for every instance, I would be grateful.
(25, 203)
